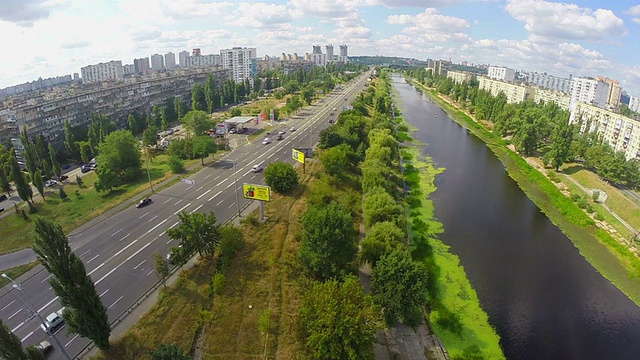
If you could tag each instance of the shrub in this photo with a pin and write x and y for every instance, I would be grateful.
(176, 164)
(280, 176)
(218, 283)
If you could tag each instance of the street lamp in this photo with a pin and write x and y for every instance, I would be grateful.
(235, 181)
(27, 303)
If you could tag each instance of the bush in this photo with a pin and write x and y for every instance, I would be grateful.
(280, 176)
(176, 164)
(231, 243)
(218, 283)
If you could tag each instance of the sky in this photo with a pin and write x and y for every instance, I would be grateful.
(44, 38)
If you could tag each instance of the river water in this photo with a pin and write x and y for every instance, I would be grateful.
(544, 299)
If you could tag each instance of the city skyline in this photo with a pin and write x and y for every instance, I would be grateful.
(582, 38)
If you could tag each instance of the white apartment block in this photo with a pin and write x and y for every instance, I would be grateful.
(459, 77)
(319, 59)
(202, 61)
(182, 58)
(157, 62)
(589, 91)
(501, 73)
(549, 81)
(169, 61)
(515, 93)
(102, 72)
(329, 52)
(549, 95)
(621, 132)
(241, 62)
(634, 103)
(129, 69)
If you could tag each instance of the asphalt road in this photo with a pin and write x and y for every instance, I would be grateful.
(118, 252)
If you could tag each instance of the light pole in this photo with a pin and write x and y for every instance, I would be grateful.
(235, 181)
(27, 303)
(148, 172)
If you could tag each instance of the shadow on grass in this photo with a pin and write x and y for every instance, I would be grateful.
(573, 169)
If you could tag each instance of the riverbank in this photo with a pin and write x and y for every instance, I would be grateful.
(608, 256)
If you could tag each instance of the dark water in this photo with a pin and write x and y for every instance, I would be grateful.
(544, 299)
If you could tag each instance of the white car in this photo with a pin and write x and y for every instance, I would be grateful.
(53, 321)
(266, 141)
(292, 129)
(256, 168)
(50, 183)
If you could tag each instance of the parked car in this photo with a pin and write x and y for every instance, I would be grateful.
(52, 322)
(292, 129)
(256, 168)
(172, 254)
(85, 168)
(144, 202)
(279, 137)
(3, 197)
(44, 347)
(63, 177)
(266, 141)
(66, 166)
(50, 183)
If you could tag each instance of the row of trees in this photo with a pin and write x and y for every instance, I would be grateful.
(539, 129)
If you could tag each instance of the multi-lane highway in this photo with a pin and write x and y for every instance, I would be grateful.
(118, 252)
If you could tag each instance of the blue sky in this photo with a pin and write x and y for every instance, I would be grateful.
(583, 38)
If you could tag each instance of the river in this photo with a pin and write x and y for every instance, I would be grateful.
(544, 299)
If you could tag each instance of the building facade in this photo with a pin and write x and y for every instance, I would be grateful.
(501, 73)
(182, 58)
(241, 61)
(634, 103)
(169, 61)
(197, 61)
(615, 91)
(157, 62)
(329, 52)
(549, 95)
(460, 77)
(141, 66)
(344, 53)
(549, 81)
(515, 93)
(621, 132)
(111, 71)
(589, 91)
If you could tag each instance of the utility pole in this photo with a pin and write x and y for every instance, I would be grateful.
(30, 309)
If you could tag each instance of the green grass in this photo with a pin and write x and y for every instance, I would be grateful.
(16, 272)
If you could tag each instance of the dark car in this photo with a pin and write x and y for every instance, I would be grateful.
(3, 197)
(144, 202)
(85, 168)
(44, 347)
(63, 177)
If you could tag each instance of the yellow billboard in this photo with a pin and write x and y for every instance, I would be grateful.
(297, 155)
(256, 192)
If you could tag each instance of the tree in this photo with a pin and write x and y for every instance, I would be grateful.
(562, 140)
(5, 185)
(379, 206)
(149, 136)
(280, 176)
(119, 154)
(85, 151)
(336, 159)
(55, 165)
(70, 141)
(399, 285)
(107, 179)
(85, 314)
(38, 182)
(329, 240)
(203, 146)
(176, 164)
(79, 180)
(197, 232)
(62, 194)
(162, 268)
(338, 321)
(178, 107)
(169, 352)
(133, 124)
(197, 93)
(236, 112)
(10, 344)
(381, 239)
(196, 122)
(23, 188)
(164, 122)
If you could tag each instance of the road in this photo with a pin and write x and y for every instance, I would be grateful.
(118, 252)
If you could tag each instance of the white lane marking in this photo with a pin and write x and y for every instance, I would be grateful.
(218, 193)
(150, 272)
(254, 176)
(17, 327)
(218, 204)
(179, 201)
(116, 232)
(84, 253)
(126, 236)
(93, 258)
(200, 188)
(216, 178)
(110, 306)
(47, 304)
(203, 194)
(45, 279)
(206, 177)
(16, 313)
(196, 209)
(177, 222)
(169, 199)
(94, 270)
(270, 156)
(6, 306)
(106, 291)
(127, 259)
(26, 337)
(176, 213)
(67, 344)
(153, 218)
(230, 206)
(145, 214)
(137, 266)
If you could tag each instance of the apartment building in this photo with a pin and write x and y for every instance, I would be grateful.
(329, 52)
(285, 66)
(460, 77)
(169, 61)
(589, 91)
(8, 126)
(115, 101)
(157, 62)
(614, 93)
(501, 73)
(515, 93)
(547, 81)
(621, 132)
(197, 61)
(549, 95)
(634, 103)
(436, 66)
(344, 54)
(242, 62)
(110, 71)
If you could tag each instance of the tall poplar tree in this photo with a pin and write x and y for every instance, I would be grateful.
(84, 312)
(38, 182)
(10, 344)
(70, 141)
(55, 165)
(23, 188)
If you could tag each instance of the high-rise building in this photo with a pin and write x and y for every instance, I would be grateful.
(589, 91)
(344, 55)
(613, 97)
(182, 58)
(76, 76)
(241, 61)
(202, 61)
(317, 49)
(102, 72)
(129, 69)
(501, 73)
(169, 61)
(549, 81)
(634, 103)
(329, 51)
(141, 65)
(196, 52)
(157, 62)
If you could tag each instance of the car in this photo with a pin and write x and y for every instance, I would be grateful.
(3, 197)
(52, 322)
(330, 121)
(44, 347)
(281, 133)
(170, 132)
(292, 129)
(85, 168)
(66, 166)
(279, 137)
(266, 141)
(232, 131)
(50, 183)
(63, 177)
(144, 202)
(172, 254)
(256, 168)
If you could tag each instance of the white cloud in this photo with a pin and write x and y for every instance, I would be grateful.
(418, 3)
(262, 15)
(329, 8)
(356, 32)
(428, 21)
(634, 10)
(545, 19)
(26, 12)
(190, 9)
(636, 20)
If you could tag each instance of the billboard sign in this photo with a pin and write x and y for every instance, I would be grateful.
(256, 192)
(297, 155)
